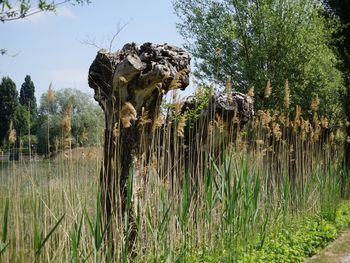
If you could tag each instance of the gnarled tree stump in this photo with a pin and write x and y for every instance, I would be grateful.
(130, 84)
(227, 112)
(127, 84)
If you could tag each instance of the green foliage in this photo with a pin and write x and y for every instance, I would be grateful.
(13, 10)
(343, 216)
(86, 117)
(14, 111)
(251, 42)
(39, 239)
(201, 102)
(75, 237)
(8, 105)
(95, 229)
(341, 10)
(21, 120)
(4, 240)
(293, 242)
(296, 242)
(27, 96)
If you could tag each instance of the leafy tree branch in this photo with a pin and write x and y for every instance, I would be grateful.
(14, 10)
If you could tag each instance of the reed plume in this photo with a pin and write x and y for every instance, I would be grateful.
(181, 125)
(286, 98)
(67, 126)
(251, 92)
(315, 103)
(116, 133)
(220, 124)
(85, 136)
(228, 86)
(50, 94)
(128, 114)
(12, 134)
(297, 117)
(268, 89)
(144, 119)
(158, 122)
(179, 79)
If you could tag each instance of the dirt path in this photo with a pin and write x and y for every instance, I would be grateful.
(337, 252)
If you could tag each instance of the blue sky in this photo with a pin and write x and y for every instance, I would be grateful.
(50, 47)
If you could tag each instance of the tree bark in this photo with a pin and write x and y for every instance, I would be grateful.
(231, 111)
(126, 84)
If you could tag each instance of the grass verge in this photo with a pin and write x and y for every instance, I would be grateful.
(294, 241)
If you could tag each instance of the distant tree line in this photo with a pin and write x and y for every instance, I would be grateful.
(63, 115)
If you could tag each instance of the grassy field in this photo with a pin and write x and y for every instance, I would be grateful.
(271, 196)
(39, 193)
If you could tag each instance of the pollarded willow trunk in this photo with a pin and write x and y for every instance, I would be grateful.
(229, 111)
(128, 84)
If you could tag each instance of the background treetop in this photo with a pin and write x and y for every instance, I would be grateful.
(251, 42)
(27, 95)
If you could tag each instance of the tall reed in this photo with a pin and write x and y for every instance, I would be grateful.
(194, 199)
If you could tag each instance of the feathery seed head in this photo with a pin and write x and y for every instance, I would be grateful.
(286, 98)
(259, 142)
(179, 79)
(220, 124)
(315, 103)
(276, 131)
(116, 132)
(50, 94)
(67, 120)
(85, 136)
(180, 126)
(122, 81)
(324, 122)
(228, 86)
(144, 119)
(199, 92)
(297, 117)
(12, 134)
(158, 122)
(268, 89)
(251, 92)
(127, 114)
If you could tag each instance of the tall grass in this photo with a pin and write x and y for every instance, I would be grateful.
(215, 199)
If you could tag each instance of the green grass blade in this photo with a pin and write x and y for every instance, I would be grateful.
(79, 230)
(2, 250)
(48, 235)
(5, 221)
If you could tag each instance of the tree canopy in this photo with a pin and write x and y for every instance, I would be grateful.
(8, 105)
(341, 10)
(12, 112)
(251, 42)
(85, 118)
(27, 95)
(13, 10)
